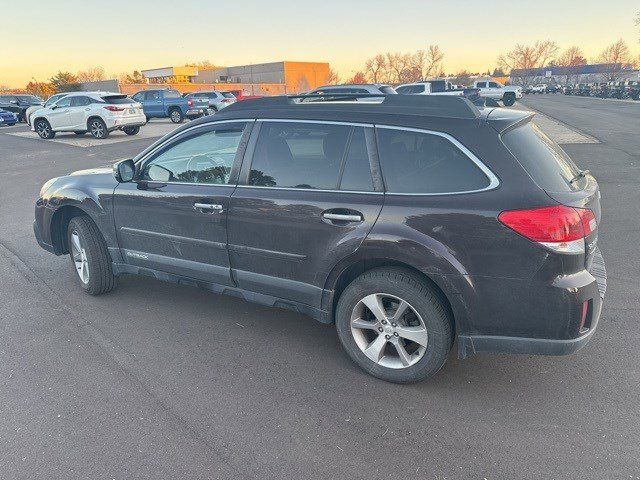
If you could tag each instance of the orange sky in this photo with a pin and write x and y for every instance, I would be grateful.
(73, 35)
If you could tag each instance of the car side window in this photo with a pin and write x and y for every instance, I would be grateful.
(356, 174)
(171, 94)
(299, 155)
(203, 158)
(80, 101)
(154, 96)
(138, 97)
(64, 102)
(493, 85)
(482, 84)
(426, 163)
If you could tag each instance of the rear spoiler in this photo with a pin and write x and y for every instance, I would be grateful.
(503, 120)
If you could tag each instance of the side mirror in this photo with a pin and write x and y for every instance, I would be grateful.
(53, 107)
(124, 171)
(14, 102)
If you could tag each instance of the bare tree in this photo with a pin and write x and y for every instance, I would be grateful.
(433, 62)
(376, 68)
(93, 74)
(615, 57)
(398, 64)
(571, 57)
(358, 78)
(527, 57)
(332, 77)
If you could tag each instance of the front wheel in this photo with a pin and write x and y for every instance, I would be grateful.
(509, 99)
(43, 128)
(131, 130)
(89, 256)
(98, 128)
(394, 325)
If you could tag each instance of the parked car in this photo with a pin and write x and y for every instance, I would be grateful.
(582, 89)
(7, 118)
(50, 101)
(371, 89)
(239, 95)
(216, 100)
(633, 89)
(567, 89)
(539, 88)
(96, 113)
(495, 90)
(553, 89)
(408, 223)
(437, 87)
(167, 103)
(19, 104)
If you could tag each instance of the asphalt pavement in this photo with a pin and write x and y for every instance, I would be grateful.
(164, 381)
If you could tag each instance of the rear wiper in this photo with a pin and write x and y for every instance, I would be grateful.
(581, 174)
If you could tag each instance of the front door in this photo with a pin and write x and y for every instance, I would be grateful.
(153, 104)
(173, 218)
(59, 116)
(306, 200)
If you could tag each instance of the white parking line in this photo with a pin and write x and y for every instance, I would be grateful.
(557, 131)
(153, 129)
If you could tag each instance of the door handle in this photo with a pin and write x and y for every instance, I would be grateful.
(211, 207)
(340, 217)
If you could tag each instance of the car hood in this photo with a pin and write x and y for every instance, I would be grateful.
(93, 171)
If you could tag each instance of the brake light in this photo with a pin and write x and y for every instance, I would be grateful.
(559, 228)
(113, 108)
(190, 103)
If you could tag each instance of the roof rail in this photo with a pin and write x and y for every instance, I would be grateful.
(429, 105)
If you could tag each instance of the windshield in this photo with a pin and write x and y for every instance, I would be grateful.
(29, 99)
(549, 166)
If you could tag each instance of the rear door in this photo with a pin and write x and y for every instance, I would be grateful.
(174, 217)
(306, 200)
(78, 112)
(153, 104)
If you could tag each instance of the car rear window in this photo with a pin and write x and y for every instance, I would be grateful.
(228, 95)
(118, 99)
(543, 159)
(426, 163)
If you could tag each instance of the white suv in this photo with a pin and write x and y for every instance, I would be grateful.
(98, 113)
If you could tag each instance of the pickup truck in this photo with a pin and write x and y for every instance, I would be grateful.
(497, 91)
(170, 104)
(437, 87)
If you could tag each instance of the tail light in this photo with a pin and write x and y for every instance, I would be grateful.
(190, 103)
(113, 108)
(559, 228)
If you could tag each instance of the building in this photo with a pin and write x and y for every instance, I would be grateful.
(171, 74)
(296, 77)
(594, 73)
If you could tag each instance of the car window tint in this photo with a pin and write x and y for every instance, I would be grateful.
(544, 160)
(204, 158)
(356, 175)
(416, 162)
(80, 101)
(482, 84)
(171, 94)
(64, 102)
(299, 155)
(493, 85)
(154, 96)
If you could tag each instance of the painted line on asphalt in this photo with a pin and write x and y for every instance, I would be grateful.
(558, 131)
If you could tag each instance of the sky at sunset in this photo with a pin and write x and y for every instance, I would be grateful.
(121, 36)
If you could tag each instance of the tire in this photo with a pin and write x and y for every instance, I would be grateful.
(148, 119)
(425, 310)
(80, 133)
(98, 128)
(176, 116)
(44, 130)
(131, 130)
(89, 256)
(508, 99)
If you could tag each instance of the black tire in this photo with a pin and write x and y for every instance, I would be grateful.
(509, 99)
(97, 128)
(131, 130)
(100, 274)
(426, 302)
(175, 115)
(148, 119)
(80, 133)
(43, 128)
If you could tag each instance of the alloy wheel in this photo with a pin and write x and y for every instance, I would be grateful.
(43, 129)
(79, 257)
(97, 129)
(389, 331)
(175, 116)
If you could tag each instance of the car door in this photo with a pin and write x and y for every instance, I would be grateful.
(173, 217)
(78, 112)
(58, 115)
(153, 105)
(306, 199)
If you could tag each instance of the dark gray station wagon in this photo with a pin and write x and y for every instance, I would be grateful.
(409, 222)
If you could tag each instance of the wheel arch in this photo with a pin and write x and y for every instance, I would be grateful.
(350, 269)
(59, 225)
(93, 117)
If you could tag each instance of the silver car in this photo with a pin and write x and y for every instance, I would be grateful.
(217, 100)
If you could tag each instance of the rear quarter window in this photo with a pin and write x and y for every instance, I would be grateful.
(426, 163)
(543, 159)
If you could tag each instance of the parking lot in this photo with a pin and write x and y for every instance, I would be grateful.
(158, 380)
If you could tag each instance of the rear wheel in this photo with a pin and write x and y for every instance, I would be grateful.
(98, 128)
(89, 256)
(175, 114)
(43, 128)
(131, 130)
(394, 325)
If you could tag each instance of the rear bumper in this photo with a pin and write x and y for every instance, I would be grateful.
(594, 291)
(132, 121)
(197, 112)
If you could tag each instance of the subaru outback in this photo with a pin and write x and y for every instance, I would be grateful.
(410, 223)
